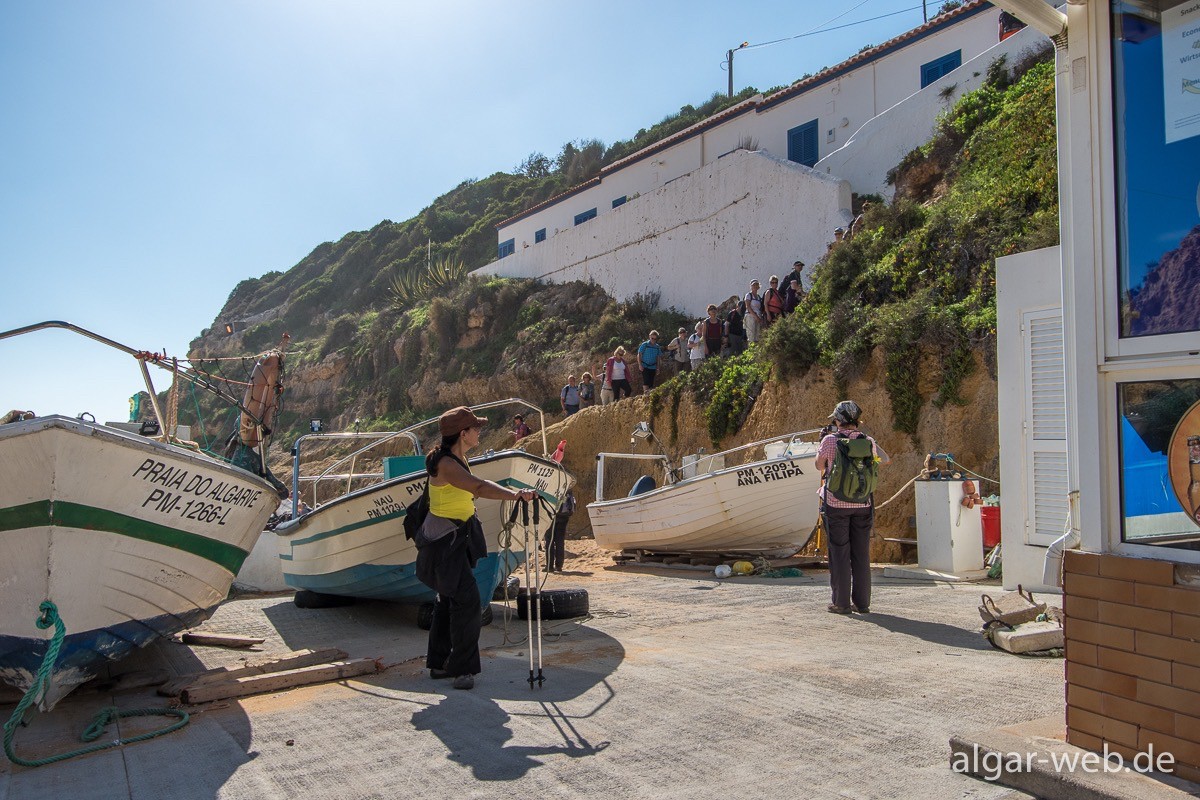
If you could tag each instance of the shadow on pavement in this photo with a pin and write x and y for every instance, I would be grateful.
(475, 729)
(933, 632)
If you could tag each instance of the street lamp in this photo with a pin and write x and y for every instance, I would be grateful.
(729, 62)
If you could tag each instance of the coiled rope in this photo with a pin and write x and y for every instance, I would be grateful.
(48, 615)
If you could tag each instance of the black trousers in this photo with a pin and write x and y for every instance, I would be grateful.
(849, 532)
(454, 633)
(621, 386)
(648, 377)
(556, 544)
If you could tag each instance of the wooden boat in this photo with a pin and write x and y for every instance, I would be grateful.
(764, 504)
(130, 537)
(354, 544)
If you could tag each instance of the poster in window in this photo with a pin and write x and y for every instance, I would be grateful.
(1183, 462)
(1181, 70)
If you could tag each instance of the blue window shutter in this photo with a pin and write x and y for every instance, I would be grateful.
(506, 248)
(940, 66)
(585, 216)
(539, 236)
(620, 201)
(802, 144)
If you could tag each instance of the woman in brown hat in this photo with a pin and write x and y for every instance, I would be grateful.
(453, 544)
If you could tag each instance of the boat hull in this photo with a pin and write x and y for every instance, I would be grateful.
(764, 508)
(355, 545)
(130, 538)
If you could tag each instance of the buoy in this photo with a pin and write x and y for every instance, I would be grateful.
(742, 568)
(722, 571)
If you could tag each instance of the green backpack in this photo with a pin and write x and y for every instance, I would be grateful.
(855, 471)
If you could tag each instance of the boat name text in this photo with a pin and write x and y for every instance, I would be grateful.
(225, 496)
(383, 506)
(768, 472)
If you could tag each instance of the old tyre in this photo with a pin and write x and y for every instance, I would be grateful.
(307, 599)
(425, 616)
(556, 603)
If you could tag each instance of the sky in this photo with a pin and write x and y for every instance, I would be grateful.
(154, 154)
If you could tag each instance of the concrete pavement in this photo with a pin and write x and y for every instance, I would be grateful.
(680, 686)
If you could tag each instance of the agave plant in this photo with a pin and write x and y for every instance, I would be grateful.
(410, 286)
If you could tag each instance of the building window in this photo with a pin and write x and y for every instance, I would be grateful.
(941, 66)
(539, 236)
(802, 144)
(585, 216)
(506, 248)
(620, 201)
(1160, 463)
(1156, 125)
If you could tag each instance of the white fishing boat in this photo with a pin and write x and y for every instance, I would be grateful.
(353, 544)
(756, 499)
(131, 538)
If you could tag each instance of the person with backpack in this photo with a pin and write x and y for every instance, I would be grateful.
(753, 312)
(556, 537)
(568, 398)
(648, 353)
(450, 543)
(773, 301)
(849, 461)
(679, 351)
(735, 329)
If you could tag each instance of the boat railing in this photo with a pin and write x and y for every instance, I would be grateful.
(712, 462)
(601, 457)
(344, 468)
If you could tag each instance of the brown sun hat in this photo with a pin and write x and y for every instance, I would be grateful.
(457, 420)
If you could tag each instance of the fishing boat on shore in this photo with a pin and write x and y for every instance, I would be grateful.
(353, 544)
(131, 538)
(758, 499)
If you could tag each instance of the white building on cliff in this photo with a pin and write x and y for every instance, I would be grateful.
(699, 199)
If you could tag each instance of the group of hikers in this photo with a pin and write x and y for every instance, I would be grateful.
(726, 330)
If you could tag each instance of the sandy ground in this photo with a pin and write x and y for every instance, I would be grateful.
(677, 686)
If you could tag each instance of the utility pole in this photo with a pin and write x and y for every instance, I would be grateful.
(924, 11)
(729, 63)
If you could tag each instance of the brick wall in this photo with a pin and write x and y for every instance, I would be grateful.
(1133, 658)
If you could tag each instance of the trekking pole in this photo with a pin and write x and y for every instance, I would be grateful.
(531, 588)
(537, 565)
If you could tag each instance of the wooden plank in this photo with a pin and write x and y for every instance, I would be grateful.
(274, 681)
(221, 640)
(293, 660)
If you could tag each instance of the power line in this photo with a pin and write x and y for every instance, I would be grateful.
(835, 28)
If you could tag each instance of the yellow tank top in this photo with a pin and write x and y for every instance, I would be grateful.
(450, 502)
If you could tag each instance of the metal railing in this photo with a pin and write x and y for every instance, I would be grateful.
(675, 474)
(380, 438)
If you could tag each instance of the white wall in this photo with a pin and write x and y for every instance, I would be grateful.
(855, 97)
(883, 141)
(1024, 282)
(700, 238)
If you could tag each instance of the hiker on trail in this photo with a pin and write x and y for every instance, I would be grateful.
(587, 391)
(754, 312)
(648, 353)
(679, 351)
(714, 329)
(849, 460)
(773, 301)
(453, 543)
(520, 429)
(859, 223)
(616, 371)
(556, 537)
(794, 275)
(792, 297)
(568, 398)
(735, 328)
(697, 349)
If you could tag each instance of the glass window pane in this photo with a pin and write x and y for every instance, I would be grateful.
(1156, 83)
(1160, 463)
